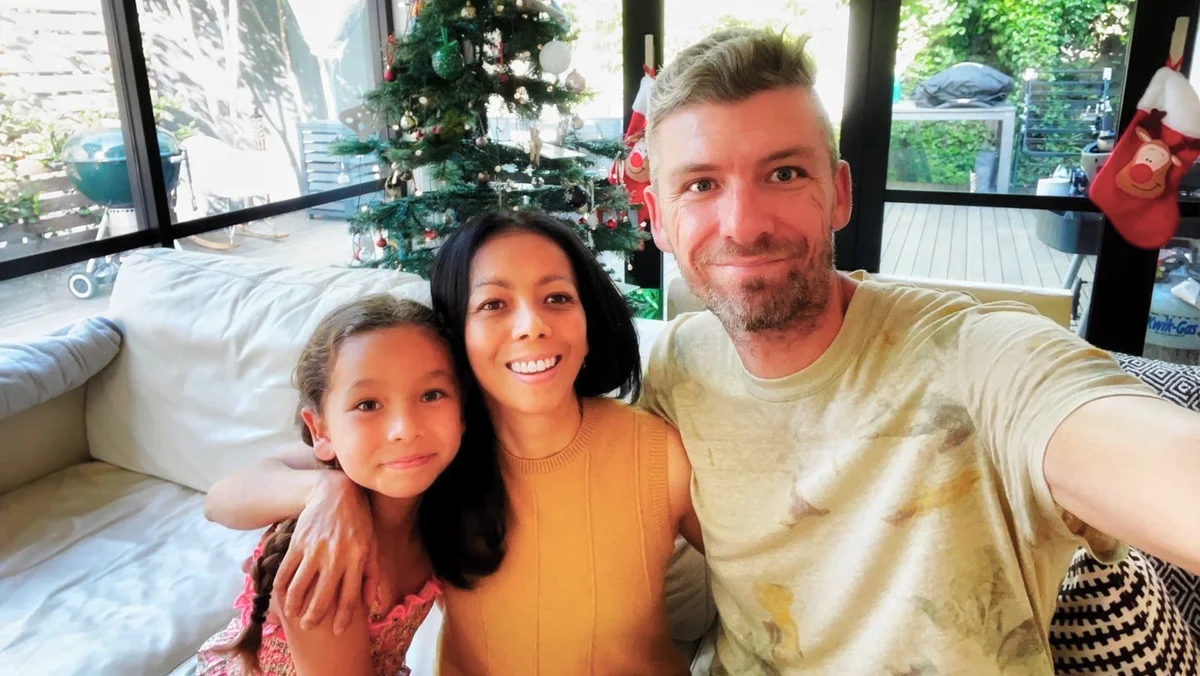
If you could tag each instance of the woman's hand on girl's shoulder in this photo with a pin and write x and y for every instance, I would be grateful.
(679, 485)
(331, 558)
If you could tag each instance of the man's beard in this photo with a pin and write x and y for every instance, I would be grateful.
(761, 304)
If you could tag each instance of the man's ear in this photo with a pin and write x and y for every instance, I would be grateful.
(657, 229)
(843, 199)
(319, 433)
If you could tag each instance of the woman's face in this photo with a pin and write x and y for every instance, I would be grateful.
(526, 333)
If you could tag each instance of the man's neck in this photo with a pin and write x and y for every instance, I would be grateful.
(538, 435)
(775, 354)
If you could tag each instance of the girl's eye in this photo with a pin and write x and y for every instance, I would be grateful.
(368, 406)
(491, 305)
(703, 185)
(787, 174)
(433, 395)
(558, 298)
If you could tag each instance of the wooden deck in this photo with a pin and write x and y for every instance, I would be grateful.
(976, 244)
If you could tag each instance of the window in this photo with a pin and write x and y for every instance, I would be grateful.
(254, 93)
(64, 175)
(35, 305)
(1173, 327)
(1009, 98)
(1017, 247)
(315, 237)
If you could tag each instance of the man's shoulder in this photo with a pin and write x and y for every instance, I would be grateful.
(922, 310)
(688, 337)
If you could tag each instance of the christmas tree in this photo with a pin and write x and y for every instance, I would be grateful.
(457, 59)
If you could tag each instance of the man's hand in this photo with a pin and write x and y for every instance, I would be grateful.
(332, 553)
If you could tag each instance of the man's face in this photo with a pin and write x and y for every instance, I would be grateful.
(746, 197)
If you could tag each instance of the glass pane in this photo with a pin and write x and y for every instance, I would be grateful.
(1006, 97)
(1019, 247)
(255, 92)
(1173, 327)
(64, 176)
(315, 237)
(37, 304)
(827, 22)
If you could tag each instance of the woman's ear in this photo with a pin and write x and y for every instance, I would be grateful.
(319, 433)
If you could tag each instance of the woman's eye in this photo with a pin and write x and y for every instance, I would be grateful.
(491, 305)
(786, 174)
(703, 185)
(368, 406)
(558, 298)
(433, 395)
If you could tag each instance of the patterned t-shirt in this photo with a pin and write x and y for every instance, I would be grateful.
(884, 510)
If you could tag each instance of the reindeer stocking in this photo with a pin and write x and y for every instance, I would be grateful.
(1137, 187)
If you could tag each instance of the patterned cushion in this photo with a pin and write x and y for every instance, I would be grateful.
(1119, 619)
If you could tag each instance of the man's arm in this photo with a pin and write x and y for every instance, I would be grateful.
(1130, 467)
(332, 553)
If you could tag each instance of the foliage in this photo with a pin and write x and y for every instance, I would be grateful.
(442, 127)
(1011, 36)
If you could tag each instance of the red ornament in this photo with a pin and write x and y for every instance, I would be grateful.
(503, 77)
(389, 74)
(418, 134)
(430, 234)
(582, 220)
(381, 242)
(437, 129)
(611, 224)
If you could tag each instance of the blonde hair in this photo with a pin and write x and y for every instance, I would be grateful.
(731, 66)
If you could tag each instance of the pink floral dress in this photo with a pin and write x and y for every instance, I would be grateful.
(391, 632)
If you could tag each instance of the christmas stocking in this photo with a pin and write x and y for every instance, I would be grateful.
(634, 171)
(1137, 187)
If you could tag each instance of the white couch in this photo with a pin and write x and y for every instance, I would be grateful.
(107, 565)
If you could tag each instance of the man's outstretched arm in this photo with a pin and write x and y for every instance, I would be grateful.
(332, 553)
(1130, 467)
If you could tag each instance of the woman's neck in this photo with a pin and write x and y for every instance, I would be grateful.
(534, 436)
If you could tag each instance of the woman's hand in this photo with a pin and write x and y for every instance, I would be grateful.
(332, 553)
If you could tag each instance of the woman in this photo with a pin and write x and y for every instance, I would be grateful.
(597, 491)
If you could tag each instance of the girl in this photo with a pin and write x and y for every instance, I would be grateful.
(380, 402)
(597, 490)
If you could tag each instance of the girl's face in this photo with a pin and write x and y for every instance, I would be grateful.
(391, 414)
(526, 333)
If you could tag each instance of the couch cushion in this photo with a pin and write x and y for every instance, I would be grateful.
(203, 382)
(105, 571)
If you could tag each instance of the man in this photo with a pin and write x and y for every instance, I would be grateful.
(888, 480)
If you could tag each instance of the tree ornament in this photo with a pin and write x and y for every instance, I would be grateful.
(381, 242)
(498, 169)
(499, 7)
(468, 11)
(408, 121)
(535, 147)
(389, 58)
(538, 181)
(430, 234)
(424, 100)
(437, 130)
(582, 220)
(418, 152)
(448, 217)
(521, 95)
(503, 78)
(555, 57)
(481, 141)
(343, 178)
(483, 177)
(520, 3)
(575, 82)
(448, 60)
(550, 89)
(611, 224)
(592, 219)
(576, 122)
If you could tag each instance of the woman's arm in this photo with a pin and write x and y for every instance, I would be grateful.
(267, 491)
(331, 558)
(320, 651)
(679, 485)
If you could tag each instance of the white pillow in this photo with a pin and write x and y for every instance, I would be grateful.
(202, 384)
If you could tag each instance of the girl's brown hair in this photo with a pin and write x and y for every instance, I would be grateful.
(311, 378)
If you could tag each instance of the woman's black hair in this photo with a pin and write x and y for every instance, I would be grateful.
(613, 363)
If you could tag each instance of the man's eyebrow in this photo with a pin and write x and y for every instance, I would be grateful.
(799, 152)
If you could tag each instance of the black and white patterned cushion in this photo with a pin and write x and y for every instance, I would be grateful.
(1119, 619)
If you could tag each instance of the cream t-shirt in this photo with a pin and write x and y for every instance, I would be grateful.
(884, 510)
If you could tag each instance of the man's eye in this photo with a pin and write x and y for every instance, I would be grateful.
(368, 406)
(786, 174)
(703, 185)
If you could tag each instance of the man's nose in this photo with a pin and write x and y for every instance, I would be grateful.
(528, 323)
(744, 219)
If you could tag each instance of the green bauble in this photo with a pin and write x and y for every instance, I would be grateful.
(448, 61)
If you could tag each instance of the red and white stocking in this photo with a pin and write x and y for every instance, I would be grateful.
(634, 171)
(1137, 187)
